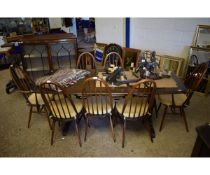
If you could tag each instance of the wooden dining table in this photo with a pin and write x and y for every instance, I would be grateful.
(167, 85)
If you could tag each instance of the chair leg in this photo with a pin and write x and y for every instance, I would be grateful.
(59, 124)
(123, 134)
(164, 114)
(158, 107)
(53, 131)
(78, 133)
(30, 114)
(184, 117)
(42, 107)
(112, 129)
(37, 108)
(86, 127)
(150, 127)
(48, 119)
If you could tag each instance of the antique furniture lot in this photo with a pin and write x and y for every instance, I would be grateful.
(97, 90)
(181, 101)
(61, 108)
(29, 90)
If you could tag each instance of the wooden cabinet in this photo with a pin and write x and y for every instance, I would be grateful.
(43, 54)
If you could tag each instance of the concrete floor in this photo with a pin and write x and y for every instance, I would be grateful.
(16, 140)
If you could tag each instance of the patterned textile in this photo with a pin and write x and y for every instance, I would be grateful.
(64, 77)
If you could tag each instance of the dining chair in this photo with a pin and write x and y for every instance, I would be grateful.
(113, 58)
(181, 101)
(113, 47)
(61, 108)
(86, 61)
(97, 101)
(29, 91)
(137, 105)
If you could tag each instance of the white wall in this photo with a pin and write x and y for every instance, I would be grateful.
(110, 30)
(171, 36)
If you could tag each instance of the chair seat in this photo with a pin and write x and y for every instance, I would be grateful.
(97, 107)
(60, 110)
(166, 99)
(32, 99)
(141, 108)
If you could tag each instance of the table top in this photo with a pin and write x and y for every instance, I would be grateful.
(164, 85)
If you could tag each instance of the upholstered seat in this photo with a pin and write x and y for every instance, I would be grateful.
(61, 109)
(32, 99)
(166, 99)
(141, 108)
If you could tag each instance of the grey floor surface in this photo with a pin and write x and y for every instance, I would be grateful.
(16, 140)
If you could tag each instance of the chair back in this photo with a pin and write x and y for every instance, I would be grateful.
(193, 80)
(22, 80)
(58, 104)
(86, 61)
(113, 58)
(113, 48)
(140, 99)
(96, 96)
